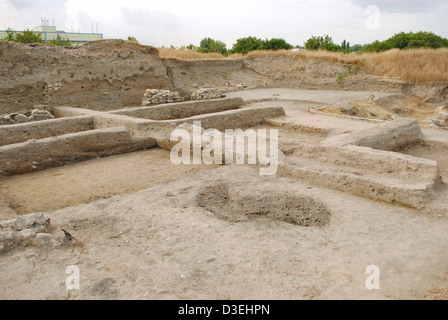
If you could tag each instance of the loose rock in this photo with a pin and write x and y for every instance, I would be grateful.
(442, 117)
(24, 231)
(207, 93)
(156, 97)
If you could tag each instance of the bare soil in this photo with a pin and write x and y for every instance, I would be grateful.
(143, 228)
(61, 187)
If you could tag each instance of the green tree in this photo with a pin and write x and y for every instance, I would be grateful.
(409, 40)
(10, 35)
(399, 40)
(246, 45)
(355, 48)
(275, 44)
(208, 45)
(345, 46)
(377, 46)
(313, 43)
(29, 36)
(322, 43)
(132, 39)
(426, 40)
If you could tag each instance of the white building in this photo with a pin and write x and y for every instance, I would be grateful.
(50, 33)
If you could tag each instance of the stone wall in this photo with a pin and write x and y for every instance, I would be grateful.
(18, 133)
(33, 115)
(156, 97)
(29, 230)
(389, 136)
(35, 155)
(207, 94)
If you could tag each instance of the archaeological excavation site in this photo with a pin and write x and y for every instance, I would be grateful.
(88, 182)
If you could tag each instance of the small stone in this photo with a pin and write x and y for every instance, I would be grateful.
(27, 233)
(4, 224)
(20, 118)
(45, 240)
(8, 240)
(28, 221)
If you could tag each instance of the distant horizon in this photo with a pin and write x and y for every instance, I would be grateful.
(228, 46)
(177, 23)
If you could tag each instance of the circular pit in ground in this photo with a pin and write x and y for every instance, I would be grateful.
(238, 205)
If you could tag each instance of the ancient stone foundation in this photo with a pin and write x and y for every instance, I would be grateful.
(359, 162)
(29, 230)
(30, 116)
(156, 97)
(207, 94)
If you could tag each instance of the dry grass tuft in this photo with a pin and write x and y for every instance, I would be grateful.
(410, 65)
(420, 65)
(193, 55)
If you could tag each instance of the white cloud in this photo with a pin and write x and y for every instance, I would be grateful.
(181, 22)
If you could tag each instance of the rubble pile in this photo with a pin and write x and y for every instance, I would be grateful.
(156, 97)
(207, 94)
(33, 115)
(27, 230)
(442, 117)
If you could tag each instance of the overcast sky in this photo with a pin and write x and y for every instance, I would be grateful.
(179, 22)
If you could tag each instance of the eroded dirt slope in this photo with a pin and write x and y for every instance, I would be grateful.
(110, 74)
(100, 75)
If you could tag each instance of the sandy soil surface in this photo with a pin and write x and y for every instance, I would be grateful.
(61, 187)
(142, 228)
(159, 243)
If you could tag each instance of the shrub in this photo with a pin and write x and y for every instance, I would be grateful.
(246, 45)
(275, 44)
(209, 45)
(341, 78)
(11, 35)
(249, 44)
(59, 41)
(324, 43)
(28, 36)
(408, 41)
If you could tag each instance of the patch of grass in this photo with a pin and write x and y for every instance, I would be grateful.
(353, 69)
(341, 78)
(59, 41)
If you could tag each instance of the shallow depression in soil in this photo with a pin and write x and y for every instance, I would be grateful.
(235, 205)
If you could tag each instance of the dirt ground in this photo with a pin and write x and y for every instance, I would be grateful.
(143, 228)
(144, 231)
(159, 243)
(57, 188)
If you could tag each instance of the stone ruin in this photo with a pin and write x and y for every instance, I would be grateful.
(156, 97)
(442, 117)
(207, 93)
(29, 116)
(28, 230)
(359, 162)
